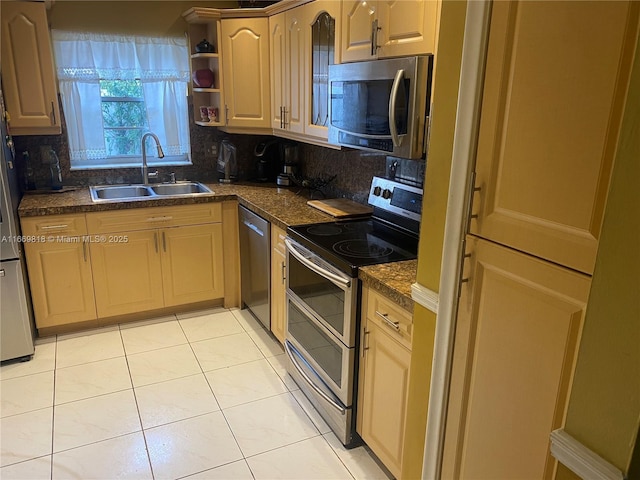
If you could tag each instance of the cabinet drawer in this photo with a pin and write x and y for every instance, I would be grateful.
(55, 225)
(153, 217)
(394, 319)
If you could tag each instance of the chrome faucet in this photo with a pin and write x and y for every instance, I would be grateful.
(145, 169)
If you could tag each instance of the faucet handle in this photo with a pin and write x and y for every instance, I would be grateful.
(172, 177)
(152, 174)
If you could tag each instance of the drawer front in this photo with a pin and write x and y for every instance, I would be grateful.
(394, 319)
(55, 225)
(153, 217)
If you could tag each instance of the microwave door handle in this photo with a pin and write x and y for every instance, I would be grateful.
(315, 268)
(392, 107)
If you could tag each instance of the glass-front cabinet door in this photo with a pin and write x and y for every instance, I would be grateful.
(321, 42)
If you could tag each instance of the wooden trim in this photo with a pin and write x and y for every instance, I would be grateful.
(466, 131)
(425, 297)
(203, 14)
(581, 460)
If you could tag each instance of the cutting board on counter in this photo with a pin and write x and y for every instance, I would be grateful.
(341, 207)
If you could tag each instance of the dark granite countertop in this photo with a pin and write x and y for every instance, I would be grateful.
(393, 280)
(280, 206)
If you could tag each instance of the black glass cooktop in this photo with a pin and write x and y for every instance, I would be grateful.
(356, 243)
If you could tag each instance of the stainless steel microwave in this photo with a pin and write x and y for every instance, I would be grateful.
(381, 105)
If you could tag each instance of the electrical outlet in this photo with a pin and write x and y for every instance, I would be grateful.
(44, 154)
(211, 151)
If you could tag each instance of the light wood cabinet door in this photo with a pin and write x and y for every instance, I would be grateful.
(296, 80)
(518, 327)
(278, 68)
(357, 30)
(127, 275)
(28, 75)
(407, 27)
(278, 283)
(245, 66)
(61, 282)
(555, 83)
(192, 263)
(384, 397)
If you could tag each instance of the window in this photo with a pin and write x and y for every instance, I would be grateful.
(116, 88)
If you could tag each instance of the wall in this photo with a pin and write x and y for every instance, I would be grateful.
(604, 408)
(445, 98)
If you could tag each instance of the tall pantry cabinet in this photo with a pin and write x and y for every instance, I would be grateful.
(546, 142)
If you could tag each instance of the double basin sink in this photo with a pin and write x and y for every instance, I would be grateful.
(112, 193)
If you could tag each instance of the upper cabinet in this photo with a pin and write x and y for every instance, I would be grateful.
(28, 75)
(245, 67)
(303, 44)
(389, 28)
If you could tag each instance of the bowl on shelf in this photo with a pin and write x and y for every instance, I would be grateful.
(205, 47)
(203, 78)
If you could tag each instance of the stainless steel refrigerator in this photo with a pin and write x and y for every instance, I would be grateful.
(16, 318)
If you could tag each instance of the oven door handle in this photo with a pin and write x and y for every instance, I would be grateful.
(291, 354)
(341, 282)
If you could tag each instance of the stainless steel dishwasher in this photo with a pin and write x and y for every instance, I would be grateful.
(255, 262)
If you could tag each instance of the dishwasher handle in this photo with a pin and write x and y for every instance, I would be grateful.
(252, 227)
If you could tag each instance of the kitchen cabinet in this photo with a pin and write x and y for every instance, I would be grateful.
(384, 371)
(520, 319)
(59, 266)
(278, 283)
(303, 44)
(211, 96)
(543, 164)
(385, 28)
(156, 257)
(245, 67)
(28, 75)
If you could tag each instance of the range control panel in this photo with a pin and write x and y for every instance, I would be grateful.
(392, 196)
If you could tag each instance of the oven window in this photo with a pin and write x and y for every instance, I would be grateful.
(321, 347)
(362, 106)
(320, 295)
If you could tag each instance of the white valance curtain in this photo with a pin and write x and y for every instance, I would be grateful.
(161, 64)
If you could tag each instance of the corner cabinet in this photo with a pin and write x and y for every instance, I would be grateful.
(384, 377)
(59, 269)
(245, 66)
(381, 29)
(28, 75)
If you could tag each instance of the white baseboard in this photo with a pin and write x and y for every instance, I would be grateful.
(581, 460)
(425, 297)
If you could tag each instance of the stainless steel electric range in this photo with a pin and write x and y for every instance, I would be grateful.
(323, 295)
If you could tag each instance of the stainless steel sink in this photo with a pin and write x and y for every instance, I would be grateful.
(114, 193)
(182, 188)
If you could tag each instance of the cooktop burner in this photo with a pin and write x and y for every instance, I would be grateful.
(356, 243)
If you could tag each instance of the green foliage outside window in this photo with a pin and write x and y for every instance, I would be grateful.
(124, 116)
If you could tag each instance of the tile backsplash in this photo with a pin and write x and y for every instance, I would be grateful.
(353, 169)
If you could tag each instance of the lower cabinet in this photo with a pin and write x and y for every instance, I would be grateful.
(384, 377)
(278, 283)
(59, 269)
(105, 264)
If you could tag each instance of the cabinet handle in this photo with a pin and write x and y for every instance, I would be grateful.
(155, 241)
(53, 114)
(388, 321)
(472, 193)
(365, 343)
(283, 272)
(284, 117)
(54, 227)
(226, 114)
(84, 250)
(281, 118)
(164, 242)
(374, 37)
(160, 219)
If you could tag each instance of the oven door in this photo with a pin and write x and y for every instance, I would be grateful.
(327, 293)
(332, 363)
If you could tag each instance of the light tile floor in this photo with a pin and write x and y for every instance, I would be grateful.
(202, 395)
